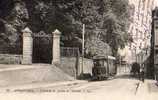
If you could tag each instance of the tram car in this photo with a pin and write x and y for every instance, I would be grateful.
(104, 67)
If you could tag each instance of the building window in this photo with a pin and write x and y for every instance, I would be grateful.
(142, 19)
(148, 3)
(144, 2)
(146, 18)
(136, 37)
(156, 51)
(132, 9)
(139, 5)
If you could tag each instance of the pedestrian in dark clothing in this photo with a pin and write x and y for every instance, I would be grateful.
(136, 69)
(142, 75)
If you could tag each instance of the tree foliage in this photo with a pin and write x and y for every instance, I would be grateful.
(106, 21)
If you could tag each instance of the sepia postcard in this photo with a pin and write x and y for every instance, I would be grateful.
(78, 49)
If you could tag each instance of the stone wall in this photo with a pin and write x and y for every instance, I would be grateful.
(87, 66)
(69, 65)
(10, 59)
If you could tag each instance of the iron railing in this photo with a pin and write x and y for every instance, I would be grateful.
(69, 51)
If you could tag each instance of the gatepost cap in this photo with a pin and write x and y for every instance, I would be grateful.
(27, 30)
(57, 32)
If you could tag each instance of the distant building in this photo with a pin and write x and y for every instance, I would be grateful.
(140, 30)
(153, 70)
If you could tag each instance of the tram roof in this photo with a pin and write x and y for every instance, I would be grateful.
(104, 57)
(111, 57)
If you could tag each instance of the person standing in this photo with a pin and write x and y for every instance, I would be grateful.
(142, 74)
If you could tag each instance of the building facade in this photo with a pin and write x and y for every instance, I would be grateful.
(154, 44)
(140, 30)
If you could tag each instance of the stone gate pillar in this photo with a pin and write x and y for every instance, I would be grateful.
(56, 47)
(27, 46)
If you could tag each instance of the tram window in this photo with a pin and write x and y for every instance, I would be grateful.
(96, 63)
(105, 63)
(101, 63)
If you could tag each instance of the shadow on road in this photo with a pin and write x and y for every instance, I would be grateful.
(123, 76)
(126, 76)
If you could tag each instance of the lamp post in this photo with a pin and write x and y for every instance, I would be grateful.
(83, 32)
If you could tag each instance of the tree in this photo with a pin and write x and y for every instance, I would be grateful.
(116, 23)
(112, 17)
(106, 21)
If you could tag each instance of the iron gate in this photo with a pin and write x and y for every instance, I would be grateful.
(42, 48)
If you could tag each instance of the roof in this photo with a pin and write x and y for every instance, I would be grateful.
(104, 57)
(111, 57)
